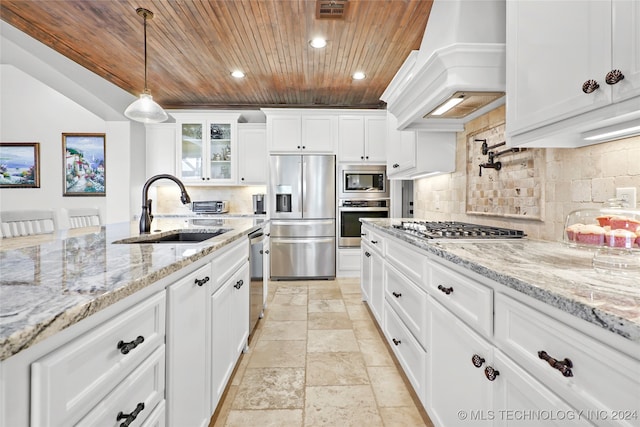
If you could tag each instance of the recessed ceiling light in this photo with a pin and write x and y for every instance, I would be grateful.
(237, 74)
(318, 43)
(359, 75)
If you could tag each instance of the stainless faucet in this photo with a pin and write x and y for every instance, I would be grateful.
(147, 217)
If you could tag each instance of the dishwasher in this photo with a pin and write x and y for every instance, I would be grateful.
(256, 295)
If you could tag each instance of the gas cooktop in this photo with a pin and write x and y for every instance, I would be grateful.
(457, 230)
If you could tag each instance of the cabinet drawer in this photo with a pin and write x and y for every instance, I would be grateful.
(602, 378)
(138, 394)
(469, 300)
(376, 239)
(409, 302)
(158, 417)
(407, 260)
(408, 351)
(66, 383)
(227, 262)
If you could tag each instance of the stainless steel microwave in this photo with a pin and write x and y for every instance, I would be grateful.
(363, 182)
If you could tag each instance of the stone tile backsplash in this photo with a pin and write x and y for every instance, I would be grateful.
(572, 178)
(166, 199)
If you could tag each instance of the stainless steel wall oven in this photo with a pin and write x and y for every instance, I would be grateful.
(363, 192)
(349, 214)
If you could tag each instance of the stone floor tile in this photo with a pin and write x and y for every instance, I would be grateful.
(326, 306)
(358, 312)
(403, 416)
(286, 312)
(375, 352)
(278, 354)
(286, 330)
(329, 293)
(389, 386)
(265, 418)
(366, 330)
(329, 321)
(331, 340)
(342, 406)
(289, 299)
(350, 286)
(336, 369)
(271, 388)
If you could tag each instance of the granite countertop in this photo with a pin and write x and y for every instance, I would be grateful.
(49, 282)
(551, 272)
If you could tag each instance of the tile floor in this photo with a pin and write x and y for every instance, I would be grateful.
(318, 359)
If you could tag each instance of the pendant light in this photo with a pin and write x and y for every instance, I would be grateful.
(145, 109)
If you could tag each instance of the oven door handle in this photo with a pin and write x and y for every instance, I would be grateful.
(350, 209)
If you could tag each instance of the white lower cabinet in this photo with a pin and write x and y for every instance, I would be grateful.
(480, 354)
(408, 351)
(187, 351)
(229, 329)
(74, 379)
(454, 383)
(520, 400)
(207, 328)
(134, 399)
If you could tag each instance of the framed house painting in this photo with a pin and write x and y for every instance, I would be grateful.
(84, 165)
(19, 165)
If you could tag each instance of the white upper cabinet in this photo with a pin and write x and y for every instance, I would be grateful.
(565, 60)
(207, 148)
(252, 154)
(362, 138)
(412, 154)
(301, 131)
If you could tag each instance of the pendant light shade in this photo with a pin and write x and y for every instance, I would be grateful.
(145, 109)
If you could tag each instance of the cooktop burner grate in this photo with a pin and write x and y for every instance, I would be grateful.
(457, 230)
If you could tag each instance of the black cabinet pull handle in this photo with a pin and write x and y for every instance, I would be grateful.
(304, 146)
(395, 165)
(491, 373)
(396, 294)
(613, 77)
(447, 291)
(367, 157)
(589, 86)
(396, 342)
(126, 347)
(239, 284)
(201, 282)
(298, 146)
(130, 417)
(242, 179)
(374, 242)
(367, 254)
(361, 157)
(564, 366)
(477, 360)
(363, 234)
(267, 252)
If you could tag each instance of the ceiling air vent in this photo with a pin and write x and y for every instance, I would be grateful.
(331, 9)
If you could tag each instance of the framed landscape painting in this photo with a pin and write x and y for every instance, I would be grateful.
(84, 166)
(19, 165)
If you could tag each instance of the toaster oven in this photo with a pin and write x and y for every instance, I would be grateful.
(210, 207)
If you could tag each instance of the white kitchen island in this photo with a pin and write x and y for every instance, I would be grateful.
(89, 327)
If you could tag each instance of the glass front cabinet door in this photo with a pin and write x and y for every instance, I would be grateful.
(207, 149)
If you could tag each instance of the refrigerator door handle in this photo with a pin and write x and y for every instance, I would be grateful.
(290, 222)
(299, 240)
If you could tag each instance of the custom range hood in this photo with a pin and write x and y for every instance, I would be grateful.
(461, 61)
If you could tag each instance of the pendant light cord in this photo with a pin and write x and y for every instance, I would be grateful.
(145, 52)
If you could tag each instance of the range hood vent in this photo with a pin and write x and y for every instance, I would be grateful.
(462, 58)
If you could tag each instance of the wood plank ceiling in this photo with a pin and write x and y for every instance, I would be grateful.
(193, 45)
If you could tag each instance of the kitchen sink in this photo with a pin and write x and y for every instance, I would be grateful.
(191, 236)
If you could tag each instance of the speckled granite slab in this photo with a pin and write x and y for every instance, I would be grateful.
(50, 282)
(550, 272)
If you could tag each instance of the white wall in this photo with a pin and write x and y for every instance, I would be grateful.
(44, 94)
(31, 111)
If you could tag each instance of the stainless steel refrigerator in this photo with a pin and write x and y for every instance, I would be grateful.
(302, 208)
